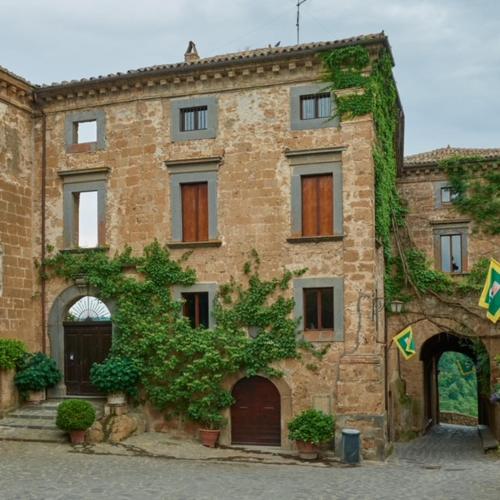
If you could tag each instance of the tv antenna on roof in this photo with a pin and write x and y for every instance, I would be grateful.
(299, 3)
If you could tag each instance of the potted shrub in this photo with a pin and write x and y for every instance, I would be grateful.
(206, 411)
(116, 376)
(37, 372)
(309, 429)
(12, 352)
(75, 416)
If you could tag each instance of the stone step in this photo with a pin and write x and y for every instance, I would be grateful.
(41, 413)
(37, 435)
(28, 423)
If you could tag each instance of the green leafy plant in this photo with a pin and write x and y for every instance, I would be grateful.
(115, 374)
(37, 372)
(12, 353)
(75, 415)
(312, 426)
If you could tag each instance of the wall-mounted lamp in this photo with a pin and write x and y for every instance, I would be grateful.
(396, 306)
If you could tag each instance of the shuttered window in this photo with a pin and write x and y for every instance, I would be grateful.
(317, 205)
(194, 211)
(196, 308)
(318, 308)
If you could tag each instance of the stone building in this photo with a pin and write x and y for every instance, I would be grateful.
(454, 244)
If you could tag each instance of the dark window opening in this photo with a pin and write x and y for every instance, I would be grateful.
(318, 309)
(317, 205)
(315, 106)
(194, 211)
(451, 253)
(196, 308)
(194, 119)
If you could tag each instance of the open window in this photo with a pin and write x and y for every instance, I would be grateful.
(450, 248)
(196, 308)
(85, 131)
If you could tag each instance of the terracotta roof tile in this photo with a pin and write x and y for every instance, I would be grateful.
(436, 155)
(13, 75)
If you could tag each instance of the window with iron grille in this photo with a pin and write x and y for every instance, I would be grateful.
(193, 119)
(318, 308)
(315, 106)
(196, 308)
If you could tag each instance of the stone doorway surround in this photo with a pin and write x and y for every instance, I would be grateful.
(55, 327)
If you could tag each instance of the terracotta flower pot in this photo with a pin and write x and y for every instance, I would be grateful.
(77, 437)
(209, 437)
(36, 397)
(307, 451)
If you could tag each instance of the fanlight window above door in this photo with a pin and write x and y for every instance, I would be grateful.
(88, 309)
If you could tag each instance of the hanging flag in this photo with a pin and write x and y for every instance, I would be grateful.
(490, 298)
(406, 343)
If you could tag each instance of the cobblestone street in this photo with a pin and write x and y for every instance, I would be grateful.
(422, 469)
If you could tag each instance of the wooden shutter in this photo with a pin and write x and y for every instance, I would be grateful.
(317, 205)
(195, 211)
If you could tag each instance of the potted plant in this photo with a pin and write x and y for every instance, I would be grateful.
(12, 353)
(116, 376)
(36, 373)
(75, 416)
(309, 429)
(206, 411)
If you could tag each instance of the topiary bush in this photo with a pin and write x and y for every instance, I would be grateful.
(312, 426)
(12, 353)
(75, 415)
(36, 373)
(115, 374)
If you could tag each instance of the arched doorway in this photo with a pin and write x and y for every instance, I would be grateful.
(256, 413)
(431, 353)
(87, 340)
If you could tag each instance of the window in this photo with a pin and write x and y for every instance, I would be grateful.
(197, 303)
(196, 308)
(193, 195)
(451, 253)
(450, 247)
(86, 226)
(194, 211)
(448, 194)
(317, 203)
(318, 309)
(194, 119)
(84, 207)
(85, 131)
(312, 107)
(315, 106)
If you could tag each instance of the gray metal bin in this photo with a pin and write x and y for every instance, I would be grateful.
(351, 446)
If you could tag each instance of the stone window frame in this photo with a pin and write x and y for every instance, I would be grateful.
(296, 123)
(79, 181)
(70, 123)
(438, 185)
(211, 288)
(449, 228)
(195, 170)
(315, 162)
(337, 283)
(176, 134)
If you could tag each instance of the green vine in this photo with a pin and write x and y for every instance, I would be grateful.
(182, 369)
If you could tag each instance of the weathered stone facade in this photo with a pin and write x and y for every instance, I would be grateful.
(413, 398)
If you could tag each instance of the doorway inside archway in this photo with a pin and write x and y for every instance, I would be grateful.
(87, 340)
(457, 388)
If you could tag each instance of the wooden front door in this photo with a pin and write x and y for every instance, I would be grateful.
(85, 343)
(256, 413)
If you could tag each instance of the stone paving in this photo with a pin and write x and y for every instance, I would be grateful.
(447, 464)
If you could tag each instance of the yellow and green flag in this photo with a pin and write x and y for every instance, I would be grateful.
(490, 298)
(406, 343)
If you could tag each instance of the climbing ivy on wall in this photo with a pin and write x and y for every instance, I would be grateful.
(183, 368)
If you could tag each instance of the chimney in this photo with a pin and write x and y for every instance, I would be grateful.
(191, 54)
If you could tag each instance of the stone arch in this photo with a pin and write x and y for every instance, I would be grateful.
(286, 407)
(55, 327)
(430, 353)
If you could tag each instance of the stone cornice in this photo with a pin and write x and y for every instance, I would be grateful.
(433, 168)
(16, 91)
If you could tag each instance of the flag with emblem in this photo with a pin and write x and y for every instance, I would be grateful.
(406, 343)
(490, 298)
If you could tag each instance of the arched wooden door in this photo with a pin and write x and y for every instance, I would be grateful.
(256, 413)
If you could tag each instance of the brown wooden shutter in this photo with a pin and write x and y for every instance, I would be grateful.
(317, 203)
(194, 211)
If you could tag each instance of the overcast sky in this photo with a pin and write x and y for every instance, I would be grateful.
(447, 51)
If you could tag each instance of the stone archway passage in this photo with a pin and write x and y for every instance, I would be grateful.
(256, 413)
